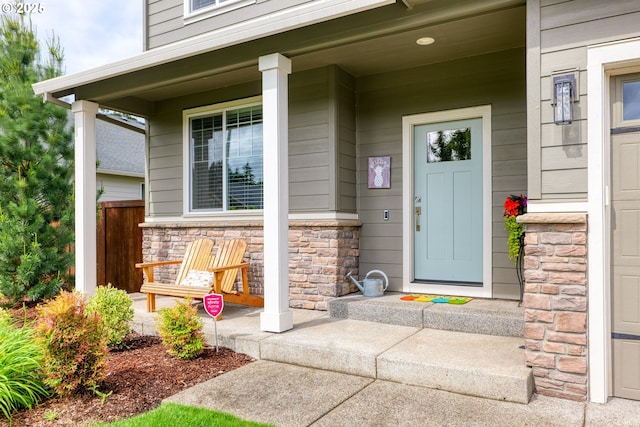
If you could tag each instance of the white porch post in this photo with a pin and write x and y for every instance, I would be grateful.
(84, 113)
(275, 69)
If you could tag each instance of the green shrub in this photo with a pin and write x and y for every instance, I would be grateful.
(21, 384)
(180, 328)
(74, 343)
(115, 309)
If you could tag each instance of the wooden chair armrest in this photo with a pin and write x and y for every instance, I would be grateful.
(228, 267)
(156, 263)
(147, 268)
(218, 274)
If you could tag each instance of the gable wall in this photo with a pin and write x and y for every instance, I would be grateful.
(558, 35)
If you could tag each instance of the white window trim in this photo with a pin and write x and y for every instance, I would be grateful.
(186, 157)
(408, 123)
(213, 10)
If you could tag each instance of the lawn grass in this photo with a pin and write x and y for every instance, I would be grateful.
(171, 414)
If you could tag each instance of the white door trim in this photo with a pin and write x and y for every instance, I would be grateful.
(603, 61)
(408, 123)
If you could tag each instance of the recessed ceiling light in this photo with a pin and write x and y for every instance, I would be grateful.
(425, 41)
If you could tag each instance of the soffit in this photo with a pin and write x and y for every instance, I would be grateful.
(373, 42)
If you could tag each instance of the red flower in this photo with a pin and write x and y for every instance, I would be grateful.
(511, 207)
(515, 205)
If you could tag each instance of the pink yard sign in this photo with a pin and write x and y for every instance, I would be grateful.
(213, 304)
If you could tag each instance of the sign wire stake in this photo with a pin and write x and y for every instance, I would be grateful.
(215, 328)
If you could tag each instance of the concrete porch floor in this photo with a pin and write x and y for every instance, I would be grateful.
(331, 371)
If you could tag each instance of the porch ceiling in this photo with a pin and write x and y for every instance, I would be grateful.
(378, 41)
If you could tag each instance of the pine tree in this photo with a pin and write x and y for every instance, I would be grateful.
(36, 167)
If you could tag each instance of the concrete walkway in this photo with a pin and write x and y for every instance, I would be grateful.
(338, 390)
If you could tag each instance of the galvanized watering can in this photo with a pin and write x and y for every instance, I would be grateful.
(371, 287)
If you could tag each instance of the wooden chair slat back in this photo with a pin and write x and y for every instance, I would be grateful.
(231, 252)
(196, 257)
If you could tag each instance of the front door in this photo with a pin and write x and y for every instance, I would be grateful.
(448, 208)
(625, 236)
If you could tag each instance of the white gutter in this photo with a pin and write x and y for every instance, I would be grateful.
(299, 16)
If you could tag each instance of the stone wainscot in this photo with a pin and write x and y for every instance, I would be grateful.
(321, 253)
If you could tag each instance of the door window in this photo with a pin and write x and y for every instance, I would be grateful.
(449, 145)
(625, 111)
(631, 100)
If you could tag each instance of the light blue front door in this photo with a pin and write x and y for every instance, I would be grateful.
(448, 202)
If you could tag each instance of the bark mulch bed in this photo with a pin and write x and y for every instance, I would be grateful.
(139, 377)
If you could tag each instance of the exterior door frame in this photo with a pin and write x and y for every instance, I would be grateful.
(603, 61)
(408, 124)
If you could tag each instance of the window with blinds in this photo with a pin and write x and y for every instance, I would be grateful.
(226, 160)
(199, 4)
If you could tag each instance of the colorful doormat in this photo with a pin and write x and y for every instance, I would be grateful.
(439, 299)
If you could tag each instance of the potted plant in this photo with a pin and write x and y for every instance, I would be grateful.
(513, 207)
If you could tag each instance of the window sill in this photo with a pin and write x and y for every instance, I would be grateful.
(256, 214)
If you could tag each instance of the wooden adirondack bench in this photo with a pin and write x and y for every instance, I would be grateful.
(224, 266)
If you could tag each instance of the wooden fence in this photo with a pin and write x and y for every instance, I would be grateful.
(120, 244)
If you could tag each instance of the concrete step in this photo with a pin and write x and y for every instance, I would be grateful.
(487, 366)
(347, 346)
(480, 316)
(472, 364)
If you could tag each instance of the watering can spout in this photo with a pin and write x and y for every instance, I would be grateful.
(371, 287)
(350, 276)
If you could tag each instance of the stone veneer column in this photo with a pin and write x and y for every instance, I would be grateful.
(321, 253)
(555, 301)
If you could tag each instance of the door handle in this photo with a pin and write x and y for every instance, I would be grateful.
(418, 212)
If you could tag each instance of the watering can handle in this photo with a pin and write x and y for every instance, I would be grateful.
(382, 273)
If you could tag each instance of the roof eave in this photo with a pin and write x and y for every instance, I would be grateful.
(266, 25)
(130, 174)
